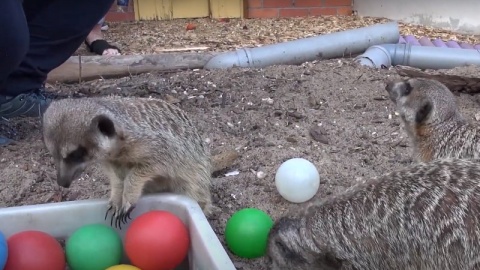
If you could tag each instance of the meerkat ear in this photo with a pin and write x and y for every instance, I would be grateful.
(423, 112)
(104, 125)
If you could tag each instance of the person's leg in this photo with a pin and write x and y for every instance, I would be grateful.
(15, 37)
(14, 41)
(56, 29)
(56, 32)
(96, 43)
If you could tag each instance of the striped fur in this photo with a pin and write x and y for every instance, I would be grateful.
(145, 145)
(423, 217)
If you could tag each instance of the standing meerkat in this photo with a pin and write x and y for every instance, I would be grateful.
(433, 121)
(143, 145)
(426, 216)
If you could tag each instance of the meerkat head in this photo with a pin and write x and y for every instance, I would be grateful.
(76, 134)
(422, 101)
(288, 250)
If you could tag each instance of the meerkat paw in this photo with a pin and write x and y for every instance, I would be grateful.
(210, 210)
(124, 214)
(213, 211)
(120, 212)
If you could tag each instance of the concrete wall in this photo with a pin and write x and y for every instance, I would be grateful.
(462, 16)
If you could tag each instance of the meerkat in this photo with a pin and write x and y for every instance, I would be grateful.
(432, 120)
(425, 216)
(143, 145)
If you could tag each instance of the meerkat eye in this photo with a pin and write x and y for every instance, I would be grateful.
(408, 89)
(77, 156)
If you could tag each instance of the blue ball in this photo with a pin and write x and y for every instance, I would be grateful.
(3, 251)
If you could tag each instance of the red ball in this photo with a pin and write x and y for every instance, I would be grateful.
(157, 240)
(34, 250)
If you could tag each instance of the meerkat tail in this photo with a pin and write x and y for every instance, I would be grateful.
(224, 160)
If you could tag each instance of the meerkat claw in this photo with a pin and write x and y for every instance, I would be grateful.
(129, 211)
(111, 220)
(118, 221)
(121, 217)
(108, 210)
(125, 218)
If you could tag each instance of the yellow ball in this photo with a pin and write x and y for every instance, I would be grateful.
(123, 267)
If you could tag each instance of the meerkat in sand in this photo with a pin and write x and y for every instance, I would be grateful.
(143, 145)
(425, 216)
(432, 120)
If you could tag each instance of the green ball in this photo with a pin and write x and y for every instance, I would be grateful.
(93, 247)
(246, 232)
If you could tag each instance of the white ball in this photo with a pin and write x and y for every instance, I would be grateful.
(297, 180)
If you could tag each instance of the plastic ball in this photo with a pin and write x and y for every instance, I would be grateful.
(3, 251)
(246, 232)
(34, 250)
(93, 247)
(297, 180)
(157, 240)
(123, 267)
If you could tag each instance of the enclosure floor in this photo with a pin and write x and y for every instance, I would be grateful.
(150, 37)
(360, 135)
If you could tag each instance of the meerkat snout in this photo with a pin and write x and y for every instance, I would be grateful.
(71, 167)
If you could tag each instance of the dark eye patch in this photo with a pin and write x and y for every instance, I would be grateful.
(407, 88)
(77, 156)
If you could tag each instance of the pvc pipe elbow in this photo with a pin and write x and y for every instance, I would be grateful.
(376, 56)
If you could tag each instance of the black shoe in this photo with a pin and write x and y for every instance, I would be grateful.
(32, 104)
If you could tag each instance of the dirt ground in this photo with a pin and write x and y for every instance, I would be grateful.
(149, 37)
(331, 112)
(268, 115)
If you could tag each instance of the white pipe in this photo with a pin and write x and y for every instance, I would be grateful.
(422, 57)
(338, 44)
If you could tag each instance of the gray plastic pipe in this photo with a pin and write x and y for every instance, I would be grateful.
(418, 56)
(298, 51)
